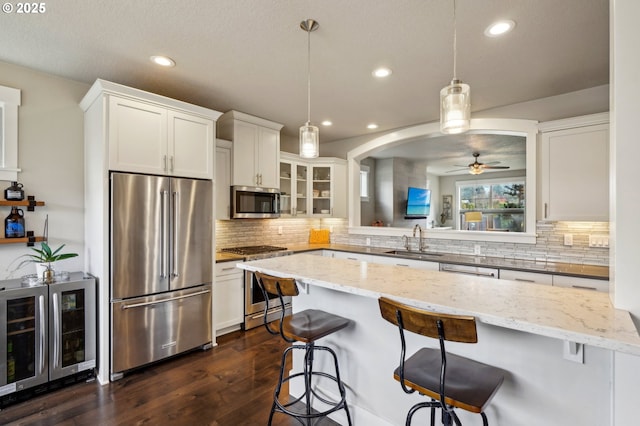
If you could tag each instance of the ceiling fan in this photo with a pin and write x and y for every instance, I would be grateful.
(477, 168)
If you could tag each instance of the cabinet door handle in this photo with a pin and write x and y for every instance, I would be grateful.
(43, 333)
(545, 210)
(56, 331)
(584, 287)
(164, 161)
(524, 280)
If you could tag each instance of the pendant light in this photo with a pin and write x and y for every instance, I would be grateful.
(309, 134)
(455, 101)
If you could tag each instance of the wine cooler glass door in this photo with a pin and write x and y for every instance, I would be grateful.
(23, 338)
(72, 327)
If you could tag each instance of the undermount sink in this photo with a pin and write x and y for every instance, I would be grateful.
(416, 254)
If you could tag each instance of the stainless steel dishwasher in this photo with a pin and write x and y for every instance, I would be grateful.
(479, 271)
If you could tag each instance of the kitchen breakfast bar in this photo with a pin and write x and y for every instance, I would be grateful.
(570, 357)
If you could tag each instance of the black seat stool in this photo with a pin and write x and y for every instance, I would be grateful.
(450, 380)
(306, 326)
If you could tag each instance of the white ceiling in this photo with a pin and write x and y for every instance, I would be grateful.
(251, 55)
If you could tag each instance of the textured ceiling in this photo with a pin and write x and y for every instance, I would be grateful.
(250, 55)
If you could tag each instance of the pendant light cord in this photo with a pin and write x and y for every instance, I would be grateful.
(309, 75)
(455, 50)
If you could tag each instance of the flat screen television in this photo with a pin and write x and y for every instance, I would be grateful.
(418, 202)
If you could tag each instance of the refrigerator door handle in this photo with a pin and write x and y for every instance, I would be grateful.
(42, 332)
(56, 330)
(170, 299)
(164, 234)
(176, 222)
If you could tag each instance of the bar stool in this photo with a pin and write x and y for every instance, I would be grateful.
(306, 326)
(451, 381)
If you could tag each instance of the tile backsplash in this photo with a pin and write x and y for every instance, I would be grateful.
(549, 246)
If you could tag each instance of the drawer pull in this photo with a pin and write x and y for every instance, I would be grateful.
(583, 287)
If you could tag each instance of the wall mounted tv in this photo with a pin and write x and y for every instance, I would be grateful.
(418, 203)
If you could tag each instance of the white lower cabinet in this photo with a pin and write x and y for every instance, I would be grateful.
(528, 277)
(584, 283)
(228, 298)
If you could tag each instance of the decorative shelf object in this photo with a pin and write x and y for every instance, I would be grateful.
(30, 203)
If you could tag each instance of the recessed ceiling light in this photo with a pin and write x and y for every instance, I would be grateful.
(381, 72)
(327, 123)
(499, 28)
(372, 126)
(164, 61)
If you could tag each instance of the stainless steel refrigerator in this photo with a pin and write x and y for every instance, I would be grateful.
(161, 268)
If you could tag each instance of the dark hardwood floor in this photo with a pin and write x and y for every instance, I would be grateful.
(231, 384)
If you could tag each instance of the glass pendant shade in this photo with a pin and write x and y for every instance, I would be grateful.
(455, 108)
(309, 141)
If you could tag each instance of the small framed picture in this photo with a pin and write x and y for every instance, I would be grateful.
(447, 201)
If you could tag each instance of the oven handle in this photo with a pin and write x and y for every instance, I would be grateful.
(270, 311)
(170, 299)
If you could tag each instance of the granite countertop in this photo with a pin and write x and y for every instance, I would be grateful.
(581, 316)
(558, 268)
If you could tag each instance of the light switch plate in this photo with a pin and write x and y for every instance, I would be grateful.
(568, 239)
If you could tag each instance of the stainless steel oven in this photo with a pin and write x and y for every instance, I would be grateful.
(254, 302)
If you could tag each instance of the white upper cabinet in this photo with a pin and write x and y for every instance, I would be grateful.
(313, 187)
(574, 166)
(148, 133)
(137, 136)
(223, 179)
(190, 145)
(256, 149)
(149, 138)
(328, 187)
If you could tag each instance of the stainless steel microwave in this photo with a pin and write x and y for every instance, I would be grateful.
(250, 202)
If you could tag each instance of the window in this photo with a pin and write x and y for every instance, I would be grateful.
(9, 102)
(492, 205)
(364, 183)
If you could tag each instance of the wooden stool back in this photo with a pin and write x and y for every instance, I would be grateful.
(458, 328)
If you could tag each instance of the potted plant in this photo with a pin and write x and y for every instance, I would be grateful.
(43, 258)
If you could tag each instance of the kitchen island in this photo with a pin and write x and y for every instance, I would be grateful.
(556, 344)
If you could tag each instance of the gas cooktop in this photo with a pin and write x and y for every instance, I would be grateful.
(251, 250)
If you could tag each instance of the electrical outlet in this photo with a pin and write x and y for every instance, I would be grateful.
(279, 230)
(568, 239)
(477, 249)
(330, 228)
(368, 241)
(598, 241)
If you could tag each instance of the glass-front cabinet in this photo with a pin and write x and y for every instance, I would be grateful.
(313, 188)
(293, 187)
(321, 190)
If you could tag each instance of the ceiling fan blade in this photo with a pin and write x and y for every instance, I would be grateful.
(458, 170)
(495, 167)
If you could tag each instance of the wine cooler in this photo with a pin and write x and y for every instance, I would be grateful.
(47, 335)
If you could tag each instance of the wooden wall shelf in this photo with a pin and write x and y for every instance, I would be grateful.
(30, 203)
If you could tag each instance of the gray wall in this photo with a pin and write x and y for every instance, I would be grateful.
(51, 156)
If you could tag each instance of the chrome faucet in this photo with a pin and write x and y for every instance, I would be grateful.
(420, 231)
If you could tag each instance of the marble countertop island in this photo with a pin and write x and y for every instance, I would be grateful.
(575, 315)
